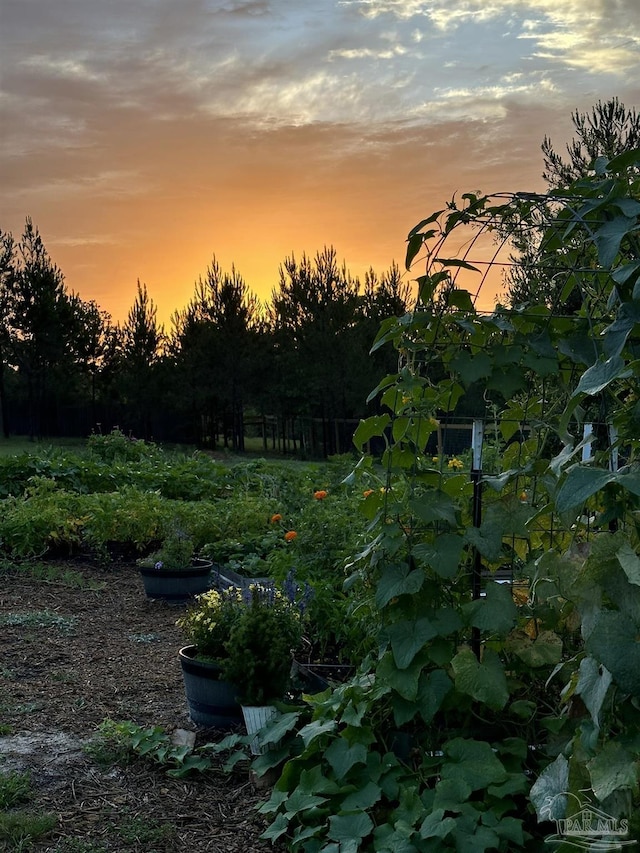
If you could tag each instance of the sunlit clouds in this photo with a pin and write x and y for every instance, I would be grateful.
(143, 138)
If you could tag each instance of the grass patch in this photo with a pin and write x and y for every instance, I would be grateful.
(52, 574)
(137, 830)
(19, 829)
(15, 788)
(38, 619)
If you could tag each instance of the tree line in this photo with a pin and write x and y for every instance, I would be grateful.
(298, 366)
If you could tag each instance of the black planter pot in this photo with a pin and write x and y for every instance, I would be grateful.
(212, 702)
(177, 586)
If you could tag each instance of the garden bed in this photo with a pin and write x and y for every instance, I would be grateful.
(93, 647)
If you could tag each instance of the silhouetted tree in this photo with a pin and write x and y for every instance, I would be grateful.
(141, 341)
(315, 310)
(214, 346)
(43, 319)
(608, 130)
(539, 276)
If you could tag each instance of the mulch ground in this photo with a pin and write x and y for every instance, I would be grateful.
(72, 657)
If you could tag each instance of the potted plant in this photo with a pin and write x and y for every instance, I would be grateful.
(260, 648)
(173, 573)
(207, 625)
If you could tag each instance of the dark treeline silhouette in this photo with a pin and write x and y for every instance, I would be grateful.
(296, 371)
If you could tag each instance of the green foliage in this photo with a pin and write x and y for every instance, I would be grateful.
(518, 705)
(115, 742)
(176, 553)
(15, 788)
(258, 651)
(40, 619)
(116, 446)
(19, 828)
(208, 621)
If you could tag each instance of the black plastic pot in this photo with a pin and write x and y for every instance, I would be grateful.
(177, 586)
(212, 702)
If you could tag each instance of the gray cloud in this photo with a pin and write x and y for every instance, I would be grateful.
(301, 123)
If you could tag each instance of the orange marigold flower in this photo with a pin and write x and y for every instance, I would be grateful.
(275, 518)
(367, 492)
(290, 535)
(320, 495)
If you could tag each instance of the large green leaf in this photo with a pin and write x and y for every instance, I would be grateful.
(363, 799)
(613, 768)
(342, 756)
(349, 828)
(594, 681)
(602, 373)
(398, 579)
(367, 429)
(472, 762)
(496, 612)
(279, 728)
(436, 825)
(487, 539)
(442, 556)
(316, 729)
(630, 563)
(614, 641)
(408, 637)
(581, 482)
(545, 650)
(609, 236)
(549, 792)
(300, 801)
(486, 682)
(471, 366)
(403, 681)
(432, 691)
(616, 334)
(314, 781)
(434, 506)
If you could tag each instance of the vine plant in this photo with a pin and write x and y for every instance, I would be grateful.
(485, 717)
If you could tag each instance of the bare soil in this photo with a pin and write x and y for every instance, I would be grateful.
(98, 653)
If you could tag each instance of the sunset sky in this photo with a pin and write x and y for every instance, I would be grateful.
(144, 137)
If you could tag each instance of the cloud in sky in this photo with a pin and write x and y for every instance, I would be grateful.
(144, 137)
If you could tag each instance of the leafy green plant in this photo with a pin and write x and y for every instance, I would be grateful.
(511, 706)
(116, 742)
(117, 445)
(209, 620)
(260, 643)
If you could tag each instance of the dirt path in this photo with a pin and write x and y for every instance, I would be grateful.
(70, 658)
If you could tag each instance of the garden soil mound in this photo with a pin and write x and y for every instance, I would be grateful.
(74, 654)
